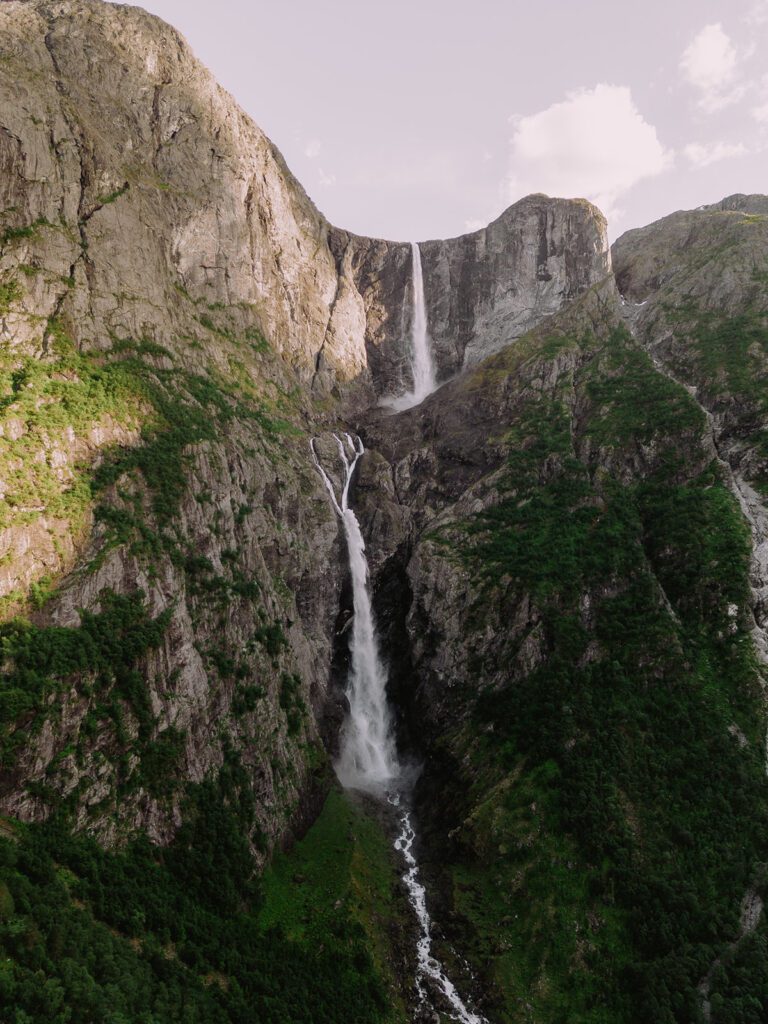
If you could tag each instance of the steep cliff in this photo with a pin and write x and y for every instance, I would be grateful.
(563, 571)
(176, 315)
(145, 452)
(483, 289)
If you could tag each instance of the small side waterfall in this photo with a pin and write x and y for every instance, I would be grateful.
(423, 365)
(368, 758)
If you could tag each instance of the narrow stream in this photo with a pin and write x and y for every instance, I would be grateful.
(368, 759)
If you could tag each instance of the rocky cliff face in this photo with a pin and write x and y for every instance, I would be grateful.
(151, 236)
(482, 290)
(149, 187)
(166, 285)
(142, 177)
(569, 594)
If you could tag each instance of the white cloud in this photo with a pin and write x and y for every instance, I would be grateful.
(704, 154)
(710, 63)
(594, 144)
(758, 13)
(760, 114)
(312, 150)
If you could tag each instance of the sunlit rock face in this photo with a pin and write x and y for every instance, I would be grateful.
(162, 192)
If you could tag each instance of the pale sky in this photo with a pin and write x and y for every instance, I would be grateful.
(417, 119)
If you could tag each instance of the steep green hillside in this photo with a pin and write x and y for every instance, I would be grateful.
(183, 934)
(595, 787)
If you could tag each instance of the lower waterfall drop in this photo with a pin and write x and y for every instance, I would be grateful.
(368, 759)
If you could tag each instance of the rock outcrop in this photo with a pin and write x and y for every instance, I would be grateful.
(148, 187)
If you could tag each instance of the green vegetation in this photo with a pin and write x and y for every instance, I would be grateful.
(272, 638)
(341, 878)
(101, 653)
(188, 409)
(49, 402)
(291, 702)
(729, 354)
(633, 402)
(246, 698)
(58, 412)
(607, 822)
(25, 231)
(113, 196)
(163, 935)
(10, 292)
(159, 768)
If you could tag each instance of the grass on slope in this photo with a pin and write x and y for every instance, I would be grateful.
(40, 662)
(63, 413)
(341, 875)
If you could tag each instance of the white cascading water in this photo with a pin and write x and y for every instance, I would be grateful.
(422, 365)
(427, 965)
(368, 758)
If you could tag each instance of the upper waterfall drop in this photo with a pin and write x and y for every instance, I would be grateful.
(424, 379)
(423, 365)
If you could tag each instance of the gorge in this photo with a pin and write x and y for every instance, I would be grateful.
(548, 592)
(368, 760)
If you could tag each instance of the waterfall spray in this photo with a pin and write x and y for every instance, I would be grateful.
(368, 758)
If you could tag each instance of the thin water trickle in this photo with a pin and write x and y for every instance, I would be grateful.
(422, 363)
(368, 758)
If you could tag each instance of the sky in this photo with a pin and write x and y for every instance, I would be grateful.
(418, 119)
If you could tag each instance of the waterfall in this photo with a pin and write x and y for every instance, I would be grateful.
(368, 758)
(422, 364)
(424, 382)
